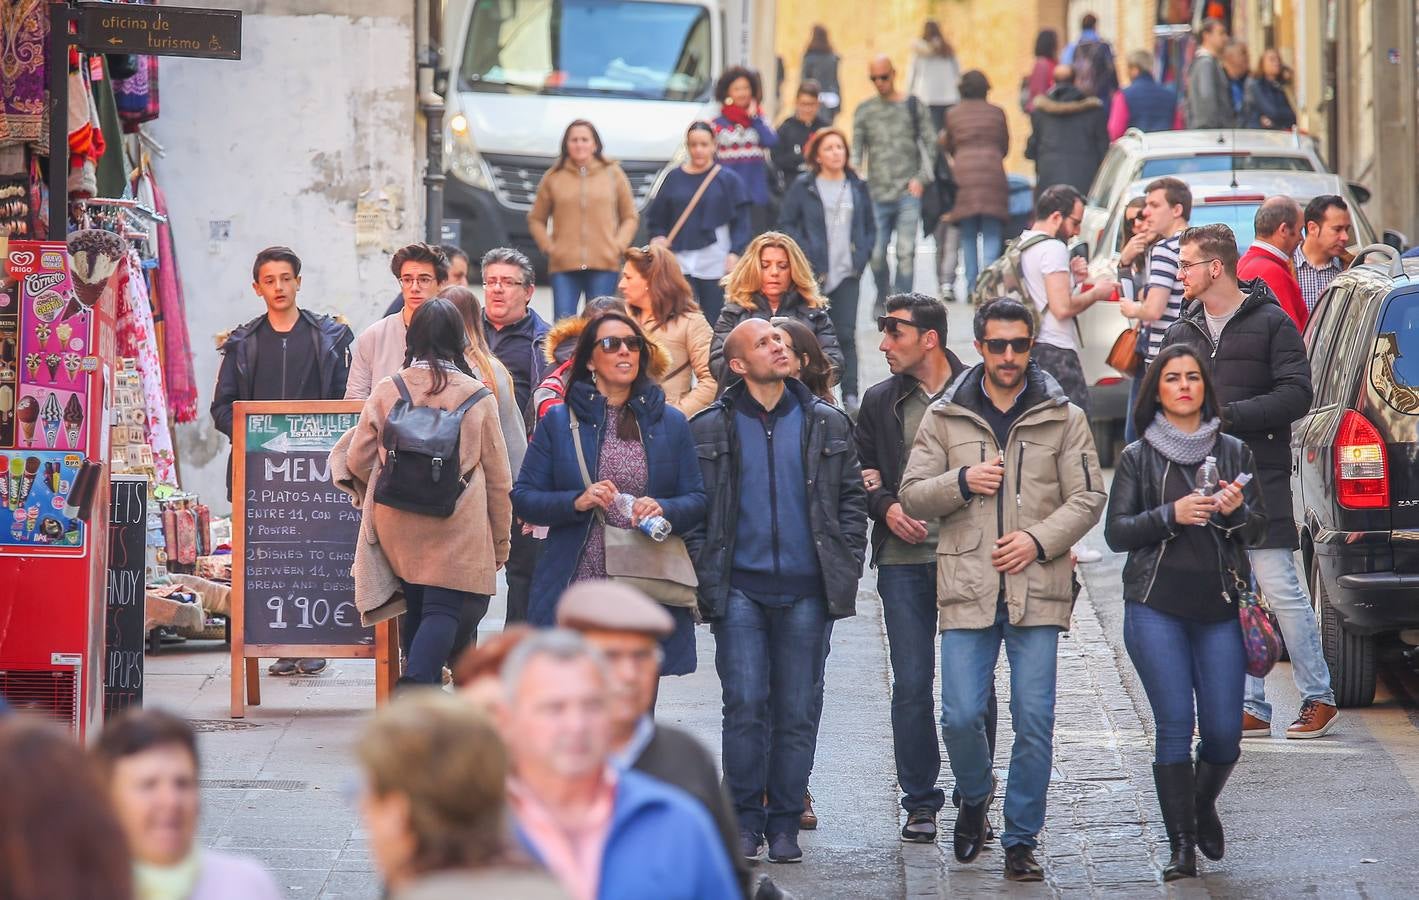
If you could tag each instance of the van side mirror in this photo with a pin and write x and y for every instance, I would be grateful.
(1362, 193)
(1396, 239)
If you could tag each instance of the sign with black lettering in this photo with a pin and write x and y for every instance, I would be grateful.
(160, 30)
(123, 620)
(293, 544)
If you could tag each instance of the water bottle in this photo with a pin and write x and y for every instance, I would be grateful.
(1207, 477)
(657, 528)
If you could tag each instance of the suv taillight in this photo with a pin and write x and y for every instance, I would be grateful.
(1361, 467)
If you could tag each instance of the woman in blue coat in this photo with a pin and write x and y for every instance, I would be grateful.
(634, 443)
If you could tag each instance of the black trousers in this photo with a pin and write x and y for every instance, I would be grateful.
(521, 562)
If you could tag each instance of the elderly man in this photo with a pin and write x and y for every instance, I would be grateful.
(1279, 230)
(603, 832)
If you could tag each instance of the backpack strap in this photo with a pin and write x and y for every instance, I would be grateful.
(403, 389)
(470, 402)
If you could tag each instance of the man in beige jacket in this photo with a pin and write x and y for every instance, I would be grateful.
(1007, 467)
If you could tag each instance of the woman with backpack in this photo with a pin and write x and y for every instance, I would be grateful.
(1186, 539)
(613, 436)
(439, 525)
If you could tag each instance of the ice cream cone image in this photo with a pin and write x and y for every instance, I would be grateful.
(28, 414)
(42, 332)
(27, 479)
(32, 364)
(73, 420)
(72, 363)
(52, 415)
(65, 331)
(96, 255)
(51, 362)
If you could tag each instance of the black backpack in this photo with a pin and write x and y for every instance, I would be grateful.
(420, 473)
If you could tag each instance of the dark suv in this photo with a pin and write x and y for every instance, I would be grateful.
(1355, 464)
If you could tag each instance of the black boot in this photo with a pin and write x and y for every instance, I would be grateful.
(1175, 799)
(1209, 783)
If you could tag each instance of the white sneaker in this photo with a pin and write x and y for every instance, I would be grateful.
(1085, 554)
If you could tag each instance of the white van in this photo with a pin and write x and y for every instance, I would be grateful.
(520, 70)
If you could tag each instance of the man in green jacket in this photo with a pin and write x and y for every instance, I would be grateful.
(1007, 468)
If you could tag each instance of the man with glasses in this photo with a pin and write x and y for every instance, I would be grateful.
(892, 140)
(1263, 382)
(1004, 465)
(379, 350)
(904, 548)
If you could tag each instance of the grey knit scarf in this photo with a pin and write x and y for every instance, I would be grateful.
(1180, 446)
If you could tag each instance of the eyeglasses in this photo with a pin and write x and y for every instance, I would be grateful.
(614, 343)
(1183, 267)
(502, 282)
(1077, 222)
(420, 280)
(890, 324)
(887, 77)
(996, 346)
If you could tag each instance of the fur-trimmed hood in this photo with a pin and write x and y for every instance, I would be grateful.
(1066, 100)
(561, 342)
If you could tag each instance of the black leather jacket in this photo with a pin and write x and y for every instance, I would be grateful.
(1139, 522)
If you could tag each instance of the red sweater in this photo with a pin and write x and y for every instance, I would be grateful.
(1259, 262)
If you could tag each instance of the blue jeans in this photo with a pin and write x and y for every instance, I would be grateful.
(1178, 659)
(569, 287)
(1130, 427)
(909, 608)
(968, 657)
(769, 660)
(901, 217)
(1277, 578)
(989, 231)
(710, 296)
(431, 627)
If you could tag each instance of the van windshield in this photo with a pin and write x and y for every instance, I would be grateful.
(589, 48)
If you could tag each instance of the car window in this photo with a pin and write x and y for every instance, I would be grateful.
(1185, 165)
(1335, 384)
(1105, 183)
(1240, 217)
(1320, 334)
(1394, 362)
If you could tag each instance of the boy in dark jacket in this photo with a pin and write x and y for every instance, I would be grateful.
(286, 354)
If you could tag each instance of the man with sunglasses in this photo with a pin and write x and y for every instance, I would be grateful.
(904, 548)
(420, 269)
(1005, 466)
(1263, 381)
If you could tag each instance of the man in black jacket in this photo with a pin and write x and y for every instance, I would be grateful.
(903, 548)
(794, 132)
(1263, 382)
(778, 557)
(286, 354)
(1069, 136)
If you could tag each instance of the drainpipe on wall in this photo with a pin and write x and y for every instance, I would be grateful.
(428, 22)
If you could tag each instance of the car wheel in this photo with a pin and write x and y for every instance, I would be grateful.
(1350, 656)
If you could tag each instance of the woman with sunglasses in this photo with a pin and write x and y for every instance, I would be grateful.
(660, 299)
(634, 443)
(1187, 566)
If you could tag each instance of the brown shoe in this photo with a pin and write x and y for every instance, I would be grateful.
(1254, 727)
(808, 821)
(1315, 721)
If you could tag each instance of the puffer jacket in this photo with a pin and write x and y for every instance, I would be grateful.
(837, 511)
(1263, 381)
(791, 306)
(1141, 524)
(1053, 490)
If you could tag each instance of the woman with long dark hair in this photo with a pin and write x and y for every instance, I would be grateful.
(934, 74)
(820, 64)
(587, 200)
(446, 566)
(660, 299)
(743, 136)
(1186, 541)
(701, 212)
(1265, 104)
(633, 443)
(810, 365)
(1041, 77)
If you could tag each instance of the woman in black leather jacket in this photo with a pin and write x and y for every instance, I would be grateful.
(1186, 566)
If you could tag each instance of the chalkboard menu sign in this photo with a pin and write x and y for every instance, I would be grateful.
(123, 621)
(293, 535)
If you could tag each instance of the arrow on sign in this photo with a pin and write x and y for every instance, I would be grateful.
(115, 40)
(281, 443)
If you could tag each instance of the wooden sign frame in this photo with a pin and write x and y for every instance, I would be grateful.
(246, 658)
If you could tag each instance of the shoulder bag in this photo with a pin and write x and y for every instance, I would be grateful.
(661, 570)
(690, 207)
(1125, 356)
(1259, 637)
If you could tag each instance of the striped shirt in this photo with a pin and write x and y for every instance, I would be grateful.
(1163, 272)
(1313, 281)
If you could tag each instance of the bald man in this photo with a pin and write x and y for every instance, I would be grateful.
(778, 557)
(1279, 231)
(1070, 135)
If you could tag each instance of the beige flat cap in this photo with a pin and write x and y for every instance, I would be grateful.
(608, 606)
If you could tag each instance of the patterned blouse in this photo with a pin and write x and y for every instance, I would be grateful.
(622, 462)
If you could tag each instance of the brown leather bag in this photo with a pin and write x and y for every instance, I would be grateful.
(1124, 356)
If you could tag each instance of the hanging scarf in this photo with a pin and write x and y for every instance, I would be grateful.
(179, 377)
(136, 339)
(736, 114)
(24, 32)
(1183, 448)
(174, 882)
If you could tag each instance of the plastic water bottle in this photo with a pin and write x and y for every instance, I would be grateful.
(657, 528)
(1207, 477)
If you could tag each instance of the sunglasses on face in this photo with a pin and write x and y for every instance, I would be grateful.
(614, 344)
(996, 346)
(892, 324)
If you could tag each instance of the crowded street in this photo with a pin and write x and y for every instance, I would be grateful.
(708, 449)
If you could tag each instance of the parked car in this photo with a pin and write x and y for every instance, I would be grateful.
(1226, 197)
(1355, 464)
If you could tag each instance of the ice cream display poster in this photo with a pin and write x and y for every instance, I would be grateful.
(54, 358)
(40, 498)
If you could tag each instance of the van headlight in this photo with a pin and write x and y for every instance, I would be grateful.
(464, 160)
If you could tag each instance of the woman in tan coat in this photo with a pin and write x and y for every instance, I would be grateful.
(977, 140)
(447, 567)
(590, 199)
(662, 301)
